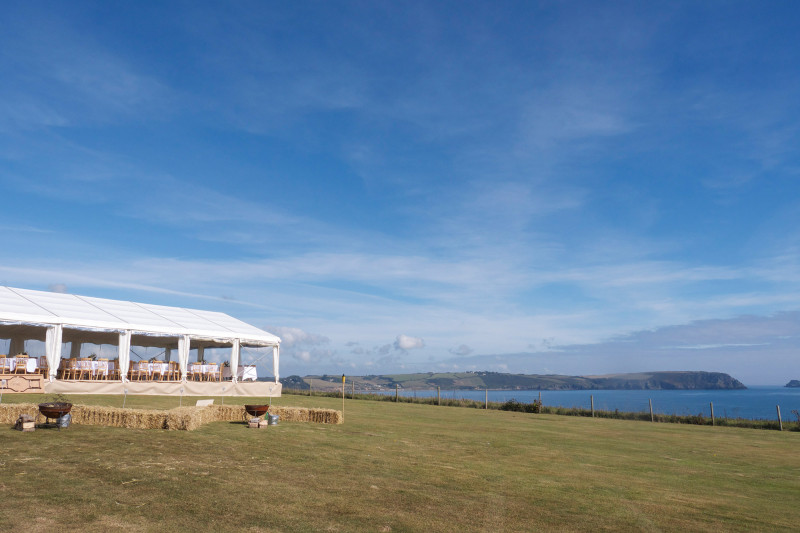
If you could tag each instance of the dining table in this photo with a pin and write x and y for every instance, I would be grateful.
(243, 373)
(151, 368)
(102, 368)
(11, 363)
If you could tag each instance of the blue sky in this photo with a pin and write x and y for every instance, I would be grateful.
(539, 187)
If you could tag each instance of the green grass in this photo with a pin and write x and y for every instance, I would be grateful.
(399, 467)
(791, 424)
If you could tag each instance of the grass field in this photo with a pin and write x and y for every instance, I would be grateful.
(399, 467)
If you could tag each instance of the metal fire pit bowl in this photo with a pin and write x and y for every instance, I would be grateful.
(55, 411)
(256, 410)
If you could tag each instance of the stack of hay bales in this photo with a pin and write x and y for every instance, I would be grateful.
(9, 412)
(97, 415)
(302, 414)
(179, 418)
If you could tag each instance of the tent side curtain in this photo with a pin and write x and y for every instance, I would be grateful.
(52, 349)
(124, 353)
(275, 360)
(235, 349)
(183, 355)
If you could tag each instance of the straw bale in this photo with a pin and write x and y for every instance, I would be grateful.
(303, 414)
(98, 415)
(190, 417)
(9, 412)
(180, 418)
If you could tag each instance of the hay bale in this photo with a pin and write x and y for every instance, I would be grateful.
(304, 414)
(180, 418)
(10, 412)
(98, 415)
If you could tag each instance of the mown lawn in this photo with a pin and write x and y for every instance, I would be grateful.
(399, 467)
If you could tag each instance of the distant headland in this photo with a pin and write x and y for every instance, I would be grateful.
(686, 380)
(794, 383)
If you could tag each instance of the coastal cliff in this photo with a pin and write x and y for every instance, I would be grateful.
(671, 380)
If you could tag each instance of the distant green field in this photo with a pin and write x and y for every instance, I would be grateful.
(399, 467)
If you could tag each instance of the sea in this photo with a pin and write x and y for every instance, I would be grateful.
(755, 403)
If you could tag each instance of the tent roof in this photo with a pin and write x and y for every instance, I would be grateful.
(23, 306)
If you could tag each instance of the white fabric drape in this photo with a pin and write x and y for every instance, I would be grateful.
(235, 349)
(16, 346)
(124, 353)
(75, 349)
(275, 360)
(52, 348)
(183, 355)
(201, 354)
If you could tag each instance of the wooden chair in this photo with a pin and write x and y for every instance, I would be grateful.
(142, 369)
(4, 362)
(113, 370)
(102, 368)
(42, 367)
(74, 368)
(22, 365)
(213, 373)
(196, 372)
(158, 370)
(85, 368)
(69, 368)
(174, 372)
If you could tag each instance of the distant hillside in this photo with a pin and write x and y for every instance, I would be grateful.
(793, 384)
(496, 380)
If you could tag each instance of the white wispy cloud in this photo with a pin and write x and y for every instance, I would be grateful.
(404, 342)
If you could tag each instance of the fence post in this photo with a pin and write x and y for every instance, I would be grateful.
(439, 395)
(712, 414)
(591, 399)
(780, 422)
(651, 410)
(486, 400)
(353, 394)
(396, 391)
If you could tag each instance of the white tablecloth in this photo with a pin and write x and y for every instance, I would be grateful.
(150, 368)
(101, 368)
(11, 363)
(94, 368)
(204, 369)
(244, 373)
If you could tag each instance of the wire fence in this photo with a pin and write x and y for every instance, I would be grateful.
(538, 405)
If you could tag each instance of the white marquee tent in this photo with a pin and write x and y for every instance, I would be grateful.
(55, 319)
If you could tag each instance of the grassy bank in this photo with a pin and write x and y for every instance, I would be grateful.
(398, 467)
(513, 405)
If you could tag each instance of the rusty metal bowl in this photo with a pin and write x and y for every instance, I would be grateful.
(54, 409)
(256, 410)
